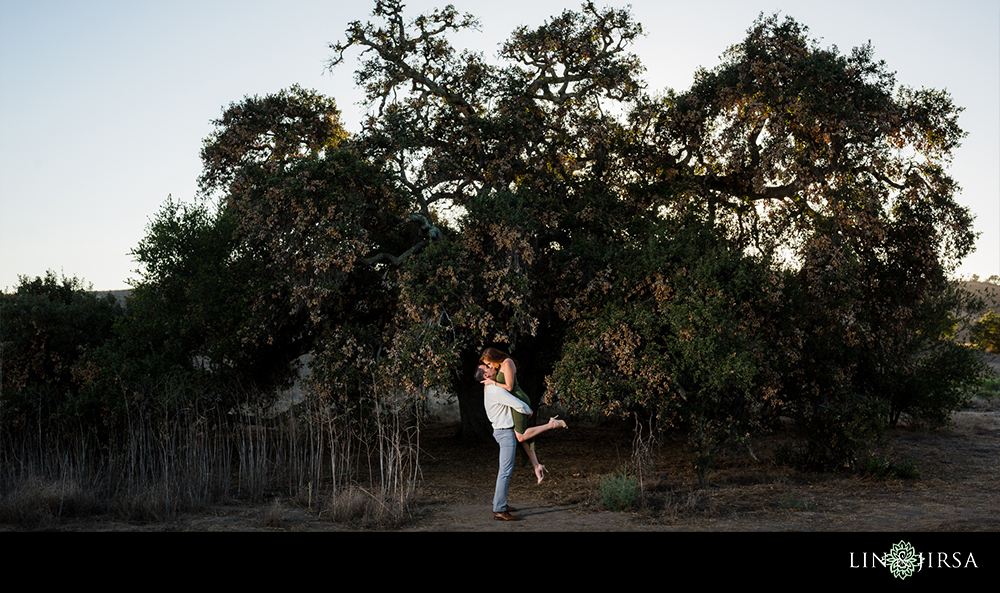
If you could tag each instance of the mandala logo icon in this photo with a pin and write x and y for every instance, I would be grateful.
(902, 560)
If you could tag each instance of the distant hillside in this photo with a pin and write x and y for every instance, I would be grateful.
(990, 293)
(121, 295)
(987, 291)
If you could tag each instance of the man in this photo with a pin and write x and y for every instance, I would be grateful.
(499, 402)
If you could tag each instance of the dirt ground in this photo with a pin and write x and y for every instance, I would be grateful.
(959, 489)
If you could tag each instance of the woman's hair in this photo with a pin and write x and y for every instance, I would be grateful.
(493, 355)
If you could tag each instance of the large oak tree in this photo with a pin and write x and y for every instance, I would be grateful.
(774, 240)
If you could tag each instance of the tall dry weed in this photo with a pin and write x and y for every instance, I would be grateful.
(164, 463)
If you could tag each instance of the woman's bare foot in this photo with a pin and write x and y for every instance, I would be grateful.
(557, 423)
(540, 472)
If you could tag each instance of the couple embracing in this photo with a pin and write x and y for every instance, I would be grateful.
(507, 407)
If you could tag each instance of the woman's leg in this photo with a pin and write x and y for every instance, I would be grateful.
(525, 437)
(520, 428)
(533, 457)
(532, 432)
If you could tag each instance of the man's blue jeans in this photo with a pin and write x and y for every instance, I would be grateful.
(508, 445)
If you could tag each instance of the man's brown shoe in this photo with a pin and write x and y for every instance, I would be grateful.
(505, 516)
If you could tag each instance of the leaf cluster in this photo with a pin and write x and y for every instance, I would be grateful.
(49, 328)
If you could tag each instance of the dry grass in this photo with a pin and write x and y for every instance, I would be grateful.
(274, 516)
(161, 470)
(359, 507)
(37, 503)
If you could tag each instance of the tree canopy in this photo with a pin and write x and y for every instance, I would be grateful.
(815, 188)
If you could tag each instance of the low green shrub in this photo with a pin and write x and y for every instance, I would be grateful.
(794, 503)
(619, 492)
(880, 468)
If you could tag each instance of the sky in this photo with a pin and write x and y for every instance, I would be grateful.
(104, 103)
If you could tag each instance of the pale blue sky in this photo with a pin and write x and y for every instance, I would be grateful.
(104, 103)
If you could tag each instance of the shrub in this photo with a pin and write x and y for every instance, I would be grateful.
(880, 468)
(794, 503)
(49, 325)
(619, 492)
(986, 332)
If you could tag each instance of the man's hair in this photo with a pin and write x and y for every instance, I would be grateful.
(480, 374)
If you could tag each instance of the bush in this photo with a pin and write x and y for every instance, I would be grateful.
(49, 326)
(942, 381)
(879, 468)
(619, 492)
(35, 502)
(986, 333)
(794, 503)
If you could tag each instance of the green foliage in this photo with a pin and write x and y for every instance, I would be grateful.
(195, 332)
(672, 332)
(49, 328)
(206, 301)
(986, 332)
(879, 468)
(941, 382)
(619, 492)
(192, 333)
(794, 503)
(988, 388)
(264, 135)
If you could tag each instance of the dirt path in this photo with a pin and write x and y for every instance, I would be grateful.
(959, 487)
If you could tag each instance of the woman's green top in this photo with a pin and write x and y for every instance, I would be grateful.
(516, 391)
(520, 420)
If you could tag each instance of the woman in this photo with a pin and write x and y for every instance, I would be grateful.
(505, 369)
